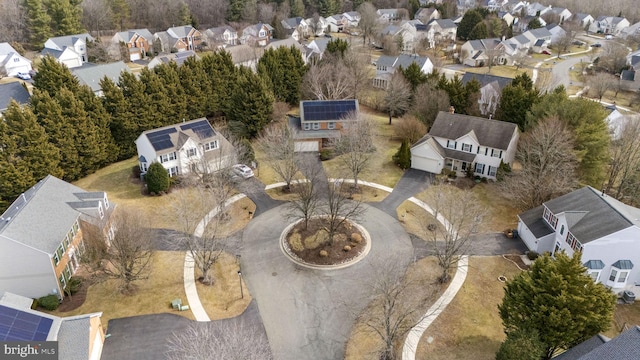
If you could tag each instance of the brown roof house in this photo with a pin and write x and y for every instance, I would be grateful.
(138, 41)
(319, 122)
(179, 38)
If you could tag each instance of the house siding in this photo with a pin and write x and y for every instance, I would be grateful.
(26, 271)
(621, 245)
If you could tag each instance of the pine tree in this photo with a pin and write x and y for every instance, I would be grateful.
(159, 104)
(414, 76)
(195, 82)
(252, 103)
(479, 31)
(297, 8)
(100, 119)
(283, 69)
(38, 23)
(337, 47)
(559, 300)
(157, 178)
(534, 24)
(123, 127)
(172, 88)
(470, 19)
(222, 75)
(403, 157)
(65, 17)
(52, 76)
(516, 100)
(120, 13)
(234, 10)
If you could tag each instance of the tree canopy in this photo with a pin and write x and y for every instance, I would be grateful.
(559, 300)
(470, 19)
(516, 100)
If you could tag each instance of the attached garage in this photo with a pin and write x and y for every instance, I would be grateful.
(426, 164)
(307, 146)
(133, 56)
(425, 156)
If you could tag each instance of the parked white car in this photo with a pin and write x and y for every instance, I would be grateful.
(242, 170)
(23, 76)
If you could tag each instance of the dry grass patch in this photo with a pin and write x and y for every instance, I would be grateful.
(238, 216)
(153, 296)
(223, 299)
(500, 212)
(470, 327)
(412, 217)
(625, 316)
(364, 343)
(501, 70)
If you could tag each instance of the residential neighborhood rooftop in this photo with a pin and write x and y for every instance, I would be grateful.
(490, 133)
(172, 136)
(13, 90)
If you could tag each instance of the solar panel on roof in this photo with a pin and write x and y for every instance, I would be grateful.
(160, 139)
(201, 128)
(327, 110)
(16, 325)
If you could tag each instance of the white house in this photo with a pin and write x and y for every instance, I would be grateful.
(478, 52)
(70, 50)
(320, 25)
(42, 232)
(490, 90)
(224, 35)
(187, 147)
(11, 62)
(603, 229)
(387, 65)
(563, 13)
(609, 25)
(353, 17)
(457, 142)
(337, 23)
(582, 19)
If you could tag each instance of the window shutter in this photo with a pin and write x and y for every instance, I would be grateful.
(470, 148)
(455, 145)
(492, 152)
(447, 143)
(486, 151)
(478, 152)
(500, 154)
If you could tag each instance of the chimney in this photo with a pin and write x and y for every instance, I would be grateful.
(452, 110)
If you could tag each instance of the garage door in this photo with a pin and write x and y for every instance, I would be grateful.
(307, 146)
(134, 56)
(426, 164)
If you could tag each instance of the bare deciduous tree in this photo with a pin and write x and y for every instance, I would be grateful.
(358, 66)
(369, 22)
(124, 251)
(188, 209)
(600, 83)
(219, 341)
(625, 155)
(430, 102)
(315, 25)
(339, 207)
(355, 144)
(278, 145)
(548, 164)
(613, 57)
(410, 128)
(462, 215)
(307, 199)
(328, 80)
(12, 21)
(397, 99)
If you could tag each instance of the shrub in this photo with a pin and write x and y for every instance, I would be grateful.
(532, 255)
(326, 154)
(49, 302)
(521, 345)
(135, 170)
(295, 241)
(74, 284)
(34, 304)
(157, 178)
(403, 157)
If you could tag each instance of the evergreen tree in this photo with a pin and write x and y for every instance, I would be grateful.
(559, 300)
(283, 69)
(120, 13)
(123, 126)
(186, 18)
(470, 19)
(159, 102)
(463, 97)
(195, 82)
(52, 76)
(38, 23)
(414, 76)
(172, 88)
(234, 10)
(139, 102)
(297, 8)
(534, 24)
(521, 344)
(403, 157)
(99, 118)
(65, 17)
(222, 75)
(337, 47)
(479, 31)
(157, 178)
(252, 103)
(516, 100)
(26, 155)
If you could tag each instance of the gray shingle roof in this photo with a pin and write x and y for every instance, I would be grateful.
(486, 79)
(405, 60)
(386, 60)
(623, 264)
(70, 40)
(622, 347)
(73, 338)
(533, 219)
(92, 75)
(129, 34)
(594, 265)
(13, 90)
(446, 23)
(583, 348)
(180, 31)
(44, 214)
(490, 133)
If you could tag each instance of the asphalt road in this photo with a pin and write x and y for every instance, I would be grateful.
(308, 314)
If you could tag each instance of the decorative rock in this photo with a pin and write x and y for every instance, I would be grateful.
(324, 253)
(356, 238)
(346, 248)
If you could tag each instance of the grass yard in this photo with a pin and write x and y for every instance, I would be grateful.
(624, 317)
(153, 295)
(412, 217)
(470, 327)
(364, 343)
(223, 299)
(500, 70)
(238, 217)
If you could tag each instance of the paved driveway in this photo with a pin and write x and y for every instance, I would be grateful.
(412, 182)
(479, 244)
(145, 337)
(254, 189)
(308, 314)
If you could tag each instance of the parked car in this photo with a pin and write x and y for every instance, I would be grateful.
(608, 37)
(546, 52)
(24, 76)
(596, 45)
(242, 170)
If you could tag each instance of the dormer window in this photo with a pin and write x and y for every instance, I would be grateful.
(550, 218)
(192, 152)
(262, 33)
(619, 273)
(467, 147)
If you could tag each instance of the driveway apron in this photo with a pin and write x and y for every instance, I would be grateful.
(412, 182)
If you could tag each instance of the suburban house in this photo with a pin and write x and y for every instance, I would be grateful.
(11, 62)
(631, 30)
(297, 26)
(539, 39)
(42, 232)
(507, 17)
(443, 30)
(557, 32)
(387, 15)
(563, 14)
(610, 25)
(604, 230)
(490, 90)
(70, 50)
(288, 43)
(179, 58)
(320, 25)
(583, 19)
(245, 55)
(319, 122)
(479, 52)
(257, 35)
(79, 337)
(405, 31)
(337, 23)
(616, 121)
(496, 5)
(222, 36)
(178, 39)
(599, 347)
(353, 18)
(183, 148)
(387, 65)
(12, 91)
(537, 9)
(93, 74)
(138, 41)
(427, 14)
(461, 142)
(318, 47)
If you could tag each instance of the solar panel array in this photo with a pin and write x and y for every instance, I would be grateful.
(201, 128)
(16, 325)
(327, 109)
(160, 139)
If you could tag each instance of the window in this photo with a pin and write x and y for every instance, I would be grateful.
(595, 274)
(552, 220)
(466, 147)
(479, 168)
(100, 211)
(106, 202)
(619, 273)
(167, 157)
(67, 240)
(492, 171)
(262, 33)
(16, 59)
(331, 125)
(613, 275)
(307, 126)
(211, 145)
(496, 153)
(143, 167)
(56, 258)
(562, 230)
(451, 144)
(62, 280)
(172, 171)
(191, 152)
(316, 126)
(76, 228)
(464, 166)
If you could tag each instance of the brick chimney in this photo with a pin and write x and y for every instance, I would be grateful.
(452, 110)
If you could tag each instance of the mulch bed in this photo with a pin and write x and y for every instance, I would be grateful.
(518, 260)
(313, 239)
(76, 300)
